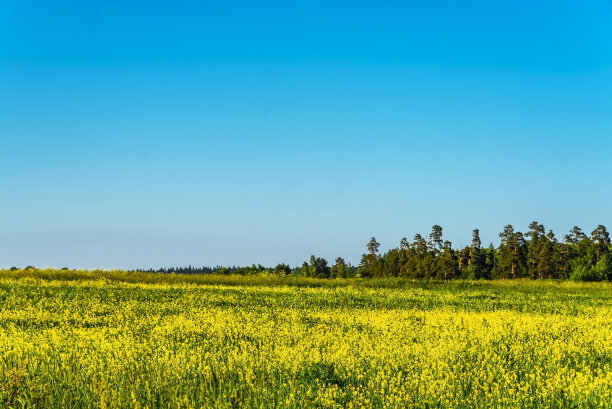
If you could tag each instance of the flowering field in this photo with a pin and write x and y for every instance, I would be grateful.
(244, 343)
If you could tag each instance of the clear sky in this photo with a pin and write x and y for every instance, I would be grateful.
(148, 134)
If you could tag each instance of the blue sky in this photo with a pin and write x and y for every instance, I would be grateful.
(146, 134)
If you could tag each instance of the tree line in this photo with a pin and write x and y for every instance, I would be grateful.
(535, 254)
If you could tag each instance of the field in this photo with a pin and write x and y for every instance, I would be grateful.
(77, 339)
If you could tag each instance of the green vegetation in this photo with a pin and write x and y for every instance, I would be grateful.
(77, 339)
(535, 254)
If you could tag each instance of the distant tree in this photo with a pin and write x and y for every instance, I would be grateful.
(505, 254)
(448, 262)
(404, 246)
(419, 244)
(318, 267)
(562, 259)
(390, 263)
(583, 254)
(419, 248)
(574, 236)
(463, 262)
(489, 264)
(370, 265)
(476, 260)
(350, 270)
(339, 269)
(304, 270)
(282, 269)
(373, 246)
(519, 256)
(511, 252)
(601, 238)
(435, 238)
(535, 254)
(534, 246)
(546, 256)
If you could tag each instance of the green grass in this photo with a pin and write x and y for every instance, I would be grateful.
(115, 339)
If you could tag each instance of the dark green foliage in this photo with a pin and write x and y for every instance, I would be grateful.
(447, 262)
(476, 262)
(435, 238)
(318, 268)
(512, 257)
(282, 269)
(601, 238)
(341, 269)
(535, 255)
(370, 265)
(537, 241)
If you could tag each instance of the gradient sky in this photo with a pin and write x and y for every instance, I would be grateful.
(148, 134)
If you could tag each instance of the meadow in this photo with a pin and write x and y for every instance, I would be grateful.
(71, 339)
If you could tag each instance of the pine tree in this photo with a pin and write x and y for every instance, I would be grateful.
(534, 247)
(601, 238)
(489, 264)
(404, 246)
(475, 262)
(435, 238)
(575, 235)
(370, 266)
(419, 246)
(512, 251)
(546, 257)
(339, 269)
(448, 261)
(463, 261)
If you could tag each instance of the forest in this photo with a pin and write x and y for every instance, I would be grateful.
(535, 254)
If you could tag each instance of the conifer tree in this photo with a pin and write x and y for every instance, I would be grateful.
(575, 235)
(512, 251)
(601, 238)
(534, 247)
(546, 262)
(404, 246)
(448, 261)
(475, 262)
(419, 247)
(435, 238)
(369, 261)
(339, 269)
(490, 261)
(463, 261)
